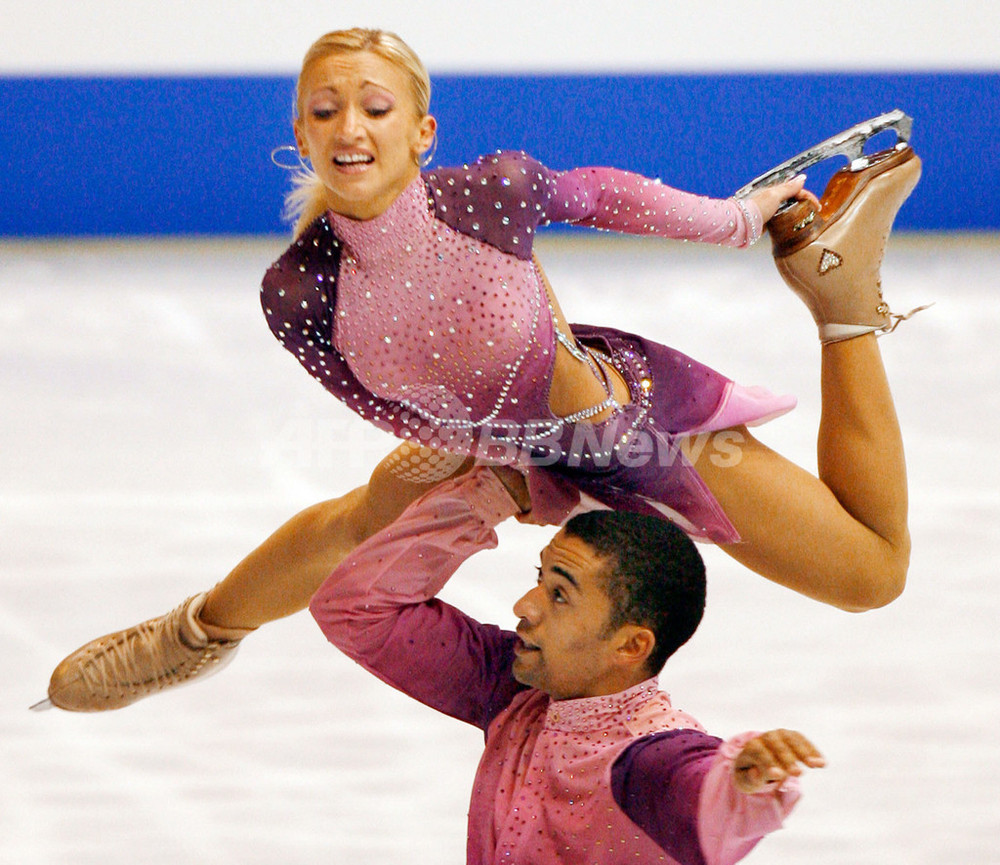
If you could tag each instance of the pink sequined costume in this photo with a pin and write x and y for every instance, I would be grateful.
(432, 321)
(623, 777)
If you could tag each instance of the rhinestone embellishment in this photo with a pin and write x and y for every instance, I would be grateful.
(828, 261)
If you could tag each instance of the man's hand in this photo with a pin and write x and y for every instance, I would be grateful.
(770, 758)
(515, 485)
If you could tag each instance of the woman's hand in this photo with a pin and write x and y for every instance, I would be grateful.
(771, 198)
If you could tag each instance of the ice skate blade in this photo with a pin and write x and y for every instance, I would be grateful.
(849, 143)
(41, 705)
(799, 224)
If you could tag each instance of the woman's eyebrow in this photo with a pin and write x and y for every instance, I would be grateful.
(369, 83)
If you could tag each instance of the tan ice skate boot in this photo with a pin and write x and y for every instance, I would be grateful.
(832, 258)
(116, 670)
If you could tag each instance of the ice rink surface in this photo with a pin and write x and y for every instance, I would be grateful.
(154, 432)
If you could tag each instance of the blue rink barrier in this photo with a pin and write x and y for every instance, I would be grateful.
(191, 155)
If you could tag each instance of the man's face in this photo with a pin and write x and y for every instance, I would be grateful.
(564, 649)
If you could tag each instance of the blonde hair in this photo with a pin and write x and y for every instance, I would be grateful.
(307, 201)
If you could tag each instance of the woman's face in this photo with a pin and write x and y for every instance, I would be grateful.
(358, 124)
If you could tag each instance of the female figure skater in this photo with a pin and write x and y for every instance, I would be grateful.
(416, 299)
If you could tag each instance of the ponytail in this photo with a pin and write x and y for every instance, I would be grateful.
(306, 201)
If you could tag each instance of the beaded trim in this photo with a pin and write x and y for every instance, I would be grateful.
(634, 368)
(571, 345)
(751, 222)
(585, 413)
(583, 354)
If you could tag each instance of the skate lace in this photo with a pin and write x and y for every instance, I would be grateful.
(898, 318)
(143, 659)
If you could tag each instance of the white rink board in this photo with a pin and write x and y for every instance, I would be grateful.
(227, 36)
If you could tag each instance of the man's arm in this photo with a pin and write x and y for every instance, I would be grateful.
(379, 605)
(709, 802)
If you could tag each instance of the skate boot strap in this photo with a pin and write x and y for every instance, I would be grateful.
(205, 632)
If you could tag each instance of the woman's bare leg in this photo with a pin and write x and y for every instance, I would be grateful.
(841, 538)
(283, 573)
(277, 579)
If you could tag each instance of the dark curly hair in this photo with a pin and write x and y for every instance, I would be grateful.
(654, 576)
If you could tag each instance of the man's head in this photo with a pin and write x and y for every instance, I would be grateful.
(617, 594)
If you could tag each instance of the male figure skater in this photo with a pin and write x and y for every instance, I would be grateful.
(585, 759)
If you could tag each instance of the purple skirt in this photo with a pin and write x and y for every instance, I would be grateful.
(633, 460)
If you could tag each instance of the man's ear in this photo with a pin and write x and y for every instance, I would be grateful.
(635, 644)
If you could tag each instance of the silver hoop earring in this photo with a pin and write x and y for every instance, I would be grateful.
(429, 155)
(278, 157)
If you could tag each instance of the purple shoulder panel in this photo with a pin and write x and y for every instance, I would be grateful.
(298, 296)
(500, 199)
(657, 783)
(299, 289)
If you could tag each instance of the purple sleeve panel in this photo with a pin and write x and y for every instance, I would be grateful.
(379, 608)
(657, 783)
(446, 660)
(677, 787)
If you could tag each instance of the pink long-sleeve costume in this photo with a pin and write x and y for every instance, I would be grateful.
(618, 778)
(432, 321)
